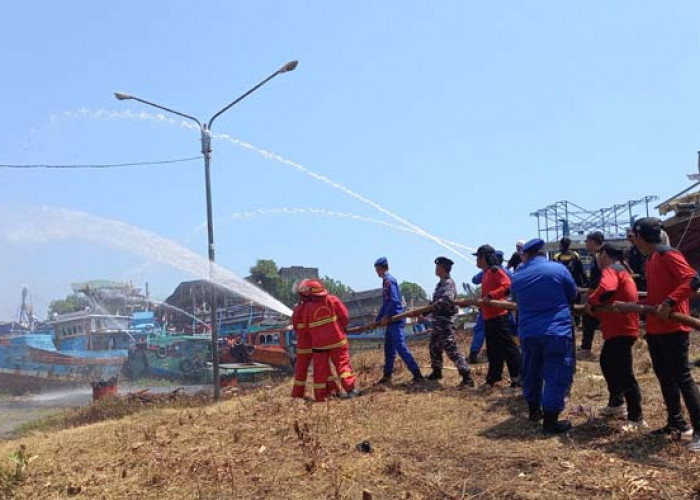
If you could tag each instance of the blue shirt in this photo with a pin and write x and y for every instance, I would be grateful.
(391, 298)
(544, 291)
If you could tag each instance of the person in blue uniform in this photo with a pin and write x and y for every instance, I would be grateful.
(544, 292)
(479, 331)
(394, 336)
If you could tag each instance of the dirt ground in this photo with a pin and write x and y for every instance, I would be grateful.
(430, 442)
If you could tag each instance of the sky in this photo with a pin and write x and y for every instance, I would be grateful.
(461, 117)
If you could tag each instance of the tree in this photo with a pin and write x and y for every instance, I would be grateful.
(412, 292)
(72, 303)
(285, 294)
(336, 287)
(266, 275)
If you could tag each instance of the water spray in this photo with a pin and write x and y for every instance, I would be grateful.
(44, 224)
(161, 118)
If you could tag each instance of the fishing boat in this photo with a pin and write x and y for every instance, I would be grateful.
(34, 358)
(275, 347)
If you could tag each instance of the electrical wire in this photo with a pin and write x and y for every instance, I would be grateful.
(104, 165)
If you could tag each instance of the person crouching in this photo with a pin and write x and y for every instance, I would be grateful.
(325, 318)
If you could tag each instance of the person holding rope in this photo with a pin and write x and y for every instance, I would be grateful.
(444, 314)
(500, 345)
(544, 292)
(594, 241)
(394, 336)
(670, 282)
(620, 332)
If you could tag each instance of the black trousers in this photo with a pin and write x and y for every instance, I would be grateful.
(590, 324)
(669, 357)
(500, 347)
(616, 364)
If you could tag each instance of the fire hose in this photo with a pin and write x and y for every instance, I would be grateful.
(618, 307)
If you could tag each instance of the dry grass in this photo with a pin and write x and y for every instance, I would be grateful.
(437, 442)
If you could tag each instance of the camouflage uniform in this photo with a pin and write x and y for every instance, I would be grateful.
(442, 337)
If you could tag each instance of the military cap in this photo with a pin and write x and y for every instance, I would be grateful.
(381, 261)
(534, 245)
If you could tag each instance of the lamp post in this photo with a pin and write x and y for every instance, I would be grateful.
(205, 131)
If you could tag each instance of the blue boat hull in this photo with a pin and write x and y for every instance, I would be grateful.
(34, 357)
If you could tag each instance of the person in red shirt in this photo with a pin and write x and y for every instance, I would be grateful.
(669, 286)
(620, 332)
(324, 318)
(500, 345)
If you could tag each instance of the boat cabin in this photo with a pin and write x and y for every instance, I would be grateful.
(89, 331)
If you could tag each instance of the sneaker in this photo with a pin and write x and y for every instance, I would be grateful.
(473, 358)
(436, 375)
(515, 383)
(418, 378)
(613, 411)
(635, 426)
(684, 431)
(694, 444)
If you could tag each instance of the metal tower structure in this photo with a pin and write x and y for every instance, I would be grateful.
(565, 218)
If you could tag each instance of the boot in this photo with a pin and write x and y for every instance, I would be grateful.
(552, 424)
(436, 375)
(385, 380)
(535, 412)
(418, 378)
(473, 358)
(467, 380)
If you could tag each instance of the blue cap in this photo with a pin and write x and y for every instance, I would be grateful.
(534, 245)
(499, 254)
(381, 261)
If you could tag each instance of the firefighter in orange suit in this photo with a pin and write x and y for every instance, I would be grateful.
(324, 317)
(304, 353)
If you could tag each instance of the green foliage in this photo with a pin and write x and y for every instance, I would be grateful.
(412, 292)
(336, 287)
(72, 303)
(14, 475)
(285, 294)
(266, 275)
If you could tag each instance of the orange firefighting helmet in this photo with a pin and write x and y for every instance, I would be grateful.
(312, 288)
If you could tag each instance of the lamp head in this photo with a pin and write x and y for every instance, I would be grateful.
(290, 66)
(122, 96)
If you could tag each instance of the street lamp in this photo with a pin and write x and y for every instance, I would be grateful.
(205, 130)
